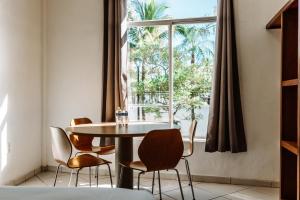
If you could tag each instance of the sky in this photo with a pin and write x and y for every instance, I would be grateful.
(190, 8)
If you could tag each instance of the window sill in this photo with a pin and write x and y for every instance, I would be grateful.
(185, 139)
(197, 140)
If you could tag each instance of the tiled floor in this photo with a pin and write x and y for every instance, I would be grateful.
(203, 191)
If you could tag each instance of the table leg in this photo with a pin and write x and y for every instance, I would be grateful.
(124, 154)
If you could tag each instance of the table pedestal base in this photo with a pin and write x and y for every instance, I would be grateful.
(124, 153)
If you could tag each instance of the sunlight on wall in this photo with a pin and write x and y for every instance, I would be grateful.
(3, 110)
(3, 147)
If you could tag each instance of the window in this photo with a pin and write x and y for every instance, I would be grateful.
(170, 59)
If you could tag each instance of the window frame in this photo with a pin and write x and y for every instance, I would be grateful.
(171, 23)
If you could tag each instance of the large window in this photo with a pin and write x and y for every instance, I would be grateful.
(170, 59)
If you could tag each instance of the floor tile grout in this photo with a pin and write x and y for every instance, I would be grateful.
(224, 196)
(207, 190)
(41, 179)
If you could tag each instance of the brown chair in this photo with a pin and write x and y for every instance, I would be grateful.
(159, 150)
(84, 144)
(62, 153)
(189, 151)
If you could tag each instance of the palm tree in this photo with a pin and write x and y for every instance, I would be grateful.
(195, 41)
(141, 11)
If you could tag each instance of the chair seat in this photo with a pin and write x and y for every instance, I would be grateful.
(86, 160)
(106, 150)
(137, 165)
(99, 150)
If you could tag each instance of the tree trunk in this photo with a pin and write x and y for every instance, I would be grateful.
(138, 95)
(193, 115)
(143, 94)
(193, 58)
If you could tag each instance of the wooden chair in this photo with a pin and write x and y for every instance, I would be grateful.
(159, 150)
(84, 144)
(189, 151)
(62, 153)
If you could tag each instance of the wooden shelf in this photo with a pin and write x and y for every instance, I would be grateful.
(286, 19)
(292, 82)
(275, 22)
(290, 146)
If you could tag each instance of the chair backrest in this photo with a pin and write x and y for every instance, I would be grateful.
(61, 146)
(78, 121)
(81, 141)
(192, 132)
(161, 149)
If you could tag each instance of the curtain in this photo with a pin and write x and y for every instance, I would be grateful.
(114, 61)
(225, 124)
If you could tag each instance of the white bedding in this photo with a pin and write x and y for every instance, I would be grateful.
(23, 193)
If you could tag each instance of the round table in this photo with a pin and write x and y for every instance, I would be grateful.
(124, 135)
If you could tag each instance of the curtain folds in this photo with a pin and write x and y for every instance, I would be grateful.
(225, 124)
(114, 61)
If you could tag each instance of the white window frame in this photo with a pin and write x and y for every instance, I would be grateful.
(171, 23)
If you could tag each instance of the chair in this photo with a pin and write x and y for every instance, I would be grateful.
(159, 150)
(84, 143)
(189, 151)
(62, 153)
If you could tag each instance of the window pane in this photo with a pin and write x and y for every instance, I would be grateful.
(193, 61)
(140, 10)
(148, 74)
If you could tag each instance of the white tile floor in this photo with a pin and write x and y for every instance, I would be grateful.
(203, 191)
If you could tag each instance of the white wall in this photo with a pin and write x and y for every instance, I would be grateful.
(74, 60)
(259, 69)
(20, 88)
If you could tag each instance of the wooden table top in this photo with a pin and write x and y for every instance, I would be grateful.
(110, 129)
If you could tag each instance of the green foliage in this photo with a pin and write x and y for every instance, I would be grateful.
(193, 60)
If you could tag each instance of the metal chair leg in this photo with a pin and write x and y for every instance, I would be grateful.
(179, 182)
(90, 176)
(189, 176)
(71, 175)
(77, 174)
(56, 175)
(139, 176)
(159, 186)
(97, 168)
(97, 176)
(96, 171)
(109, 171)
(153, 181)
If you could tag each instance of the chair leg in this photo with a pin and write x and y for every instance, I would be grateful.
(90, 176)
(96, 171)
(153, 181)
(109, 171)
(56, 175)
(71, 175)
(139, 176)
(179, 182)
(97, 168)
(97, 177)
(189, 176)
(159, 186)
(77, 174)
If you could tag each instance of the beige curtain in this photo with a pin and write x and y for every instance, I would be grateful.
(225, 125)
(114, 61)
